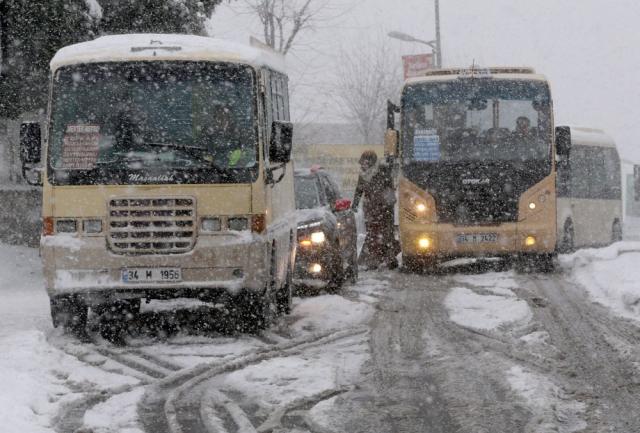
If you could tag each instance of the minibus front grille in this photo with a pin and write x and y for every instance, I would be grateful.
(152, 225)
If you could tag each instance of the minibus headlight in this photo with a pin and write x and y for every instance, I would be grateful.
(211, 224)
(238, 224)
(66, 226)
(318, 237)
(92, 226)
(424, 243)
(421, 207)
(530, 241)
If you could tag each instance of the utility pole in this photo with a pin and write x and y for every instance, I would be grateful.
(438, 44)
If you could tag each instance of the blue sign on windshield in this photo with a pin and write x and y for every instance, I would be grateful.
(426, 145)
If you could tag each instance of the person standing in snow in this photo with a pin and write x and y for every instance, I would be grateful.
(375, 183)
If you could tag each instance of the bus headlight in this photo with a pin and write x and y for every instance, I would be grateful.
(318, 237)
(424, 243)
(530, 241)
(532, 206)
(66, 226)
(211, 224)
(92, 226)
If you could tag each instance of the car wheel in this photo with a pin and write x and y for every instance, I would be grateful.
(352, 269)
(71, 313)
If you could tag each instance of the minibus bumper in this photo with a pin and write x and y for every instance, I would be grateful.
(448, 240)
(217, 267)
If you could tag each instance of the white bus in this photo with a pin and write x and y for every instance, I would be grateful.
(589, 188)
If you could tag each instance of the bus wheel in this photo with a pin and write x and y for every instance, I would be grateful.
(418, 265)
(252, 311)
(71, 313)
(616, 232)
(116, 319)
(568, 244)
(283, 296)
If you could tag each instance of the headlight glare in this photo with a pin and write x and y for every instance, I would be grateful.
(318, 237)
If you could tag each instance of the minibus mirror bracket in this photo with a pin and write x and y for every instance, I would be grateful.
(31, 152)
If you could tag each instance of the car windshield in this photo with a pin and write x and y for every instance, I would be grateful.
(188, 120)
(307, 192)
(476, 119)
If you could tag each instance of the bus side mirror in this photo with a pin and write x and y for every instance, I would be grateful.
(31, 152)
(281, 142)
(563, 142)
(30, 143)
(391, 139)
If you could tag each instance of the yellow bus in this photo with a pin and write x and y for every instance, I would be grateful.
(166, 173)
(476, 166)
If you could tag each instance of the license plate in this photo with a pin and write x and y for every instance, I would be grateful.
(477, 238)
(151, 275)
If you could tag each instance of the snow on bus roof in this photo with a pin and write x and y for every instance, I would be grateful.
(154, 47)
(586, 136)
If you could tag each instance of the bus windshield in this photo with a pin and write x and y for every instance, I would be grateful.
(165, 122)
(476, 120)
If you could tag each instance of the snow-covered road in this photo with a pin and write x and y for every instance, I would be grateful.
(475, 348)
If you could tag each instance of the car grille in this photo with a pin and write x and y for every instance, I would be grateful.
(152, 225)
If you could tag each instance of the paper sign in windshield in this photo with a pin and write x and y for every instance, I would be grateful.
(426, 145)
(80, 146)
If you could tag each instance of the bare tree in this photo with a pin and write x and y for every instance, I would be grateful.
(283, 20)
(365, 79)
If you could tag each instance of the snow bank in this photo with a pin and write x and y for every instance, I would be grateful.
(552, 410)
(486, 312)
(327, 313)
(117, 414)
(611, 276)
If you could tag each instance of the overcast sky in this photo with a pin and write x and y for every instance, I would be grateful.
(589, 49)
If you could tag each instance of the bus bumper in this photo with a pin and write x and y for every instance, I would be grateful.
(447, 240)
(217, 267)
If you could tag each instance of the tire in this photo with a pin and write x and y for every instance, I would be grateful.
(283, 296)
(532, 263)
(251, 311)
(616, 232)
(567, 245)
(418, 265)
(351, 274)
(70, 313)
(117, 318)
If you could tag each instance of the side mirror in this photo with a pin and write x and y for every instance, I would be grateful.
(343, 204)
(281, 142)
(30, 143)
(391, 139)
(563, 141)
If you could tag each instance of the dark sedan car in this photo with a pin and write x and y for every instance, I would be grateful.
(327, 249)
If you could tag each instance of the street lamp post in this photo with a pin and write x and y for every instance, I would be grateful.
(435, 44)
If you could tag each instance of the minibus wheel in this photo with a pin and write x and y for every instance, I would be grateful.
(252, 311)
(116, 318)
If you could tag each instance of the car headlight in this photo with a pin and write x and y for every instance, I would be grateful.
(92, 226)
(66, 226)
(211, 224)
(317, 237)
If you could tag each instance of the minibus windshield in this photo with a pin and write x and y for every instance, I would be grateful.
(153, 122)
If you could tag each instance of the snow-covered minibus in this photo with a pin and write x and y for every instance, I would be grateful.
(477, 177)
(589, 188)
(166, 173)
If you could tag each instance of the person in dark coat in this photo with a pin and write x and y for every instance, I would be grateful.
(375, 183)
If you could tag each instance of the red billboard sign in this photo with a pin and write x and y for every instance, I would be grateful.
(416, 65)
